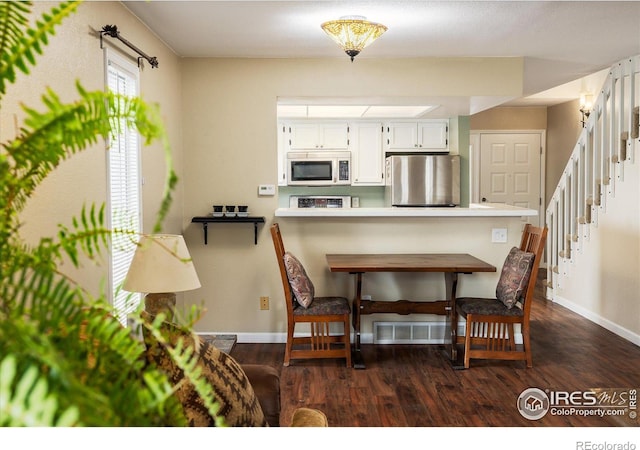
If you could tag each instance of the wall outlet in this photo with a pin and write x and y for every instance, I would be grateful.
(499, 235)
(366, 297)
(264, 302)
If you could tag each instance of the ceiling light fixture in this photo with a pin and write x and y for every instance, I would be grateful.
(353, 33)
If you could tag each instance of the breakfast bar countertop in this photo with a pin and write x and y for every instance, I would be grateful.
(474, 210)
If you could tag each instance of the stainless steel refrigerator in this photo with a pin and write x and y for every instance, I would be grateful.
(422, 180)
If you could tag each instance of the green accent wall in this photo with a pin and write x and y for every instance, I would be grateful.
(463, 129)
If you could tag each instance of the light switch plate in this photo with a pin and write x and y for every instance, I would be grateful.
(499, 235)
(266, 189)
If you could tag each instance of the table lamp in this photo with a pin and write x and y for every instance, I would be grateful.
(161, 266)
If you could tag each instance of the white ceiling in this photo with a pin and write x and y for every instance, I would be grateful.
(562, 42)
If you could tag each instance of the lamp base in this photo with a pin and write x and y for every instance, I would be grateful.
(165, 302)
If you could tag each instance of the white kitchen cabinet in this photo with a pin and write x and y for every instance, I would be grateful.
(417, 136)
(282, 153)
(367, 155)
(318, 135)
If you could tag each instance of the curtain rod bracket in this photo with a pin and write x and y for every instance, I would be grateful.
(112, 31)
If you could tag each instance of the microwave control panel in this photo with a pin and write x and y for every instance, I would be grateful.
(343, 170)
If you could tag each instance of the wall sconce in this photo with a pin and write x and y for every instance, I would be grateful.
(586, 105)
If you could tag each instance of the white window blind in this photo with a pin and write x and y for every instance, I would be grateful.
(124, 202)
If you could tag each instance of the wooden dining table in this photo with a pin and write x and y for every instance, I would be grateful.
(450, 264)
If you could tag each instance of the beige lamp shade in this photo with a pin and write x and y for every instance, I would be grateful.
(161, 263)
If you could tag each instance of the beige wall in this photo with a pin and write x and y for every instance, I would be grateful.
(563, 131)
(230, 148)
(74, 54)
(602, 282)
(511, 118)
(222, 113)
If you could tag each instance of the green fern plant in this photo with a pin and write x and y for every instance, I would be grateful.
(65, 360)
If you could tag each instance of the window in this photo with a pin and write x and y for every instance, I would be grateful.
(124, 190)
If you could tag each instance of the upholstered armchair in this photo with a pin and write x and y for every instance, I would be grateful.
(248, 395)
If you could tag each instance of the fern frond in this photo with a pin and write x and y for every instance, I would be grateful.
(13, 19)
(21, 44)
(87, 234)
(70, 357)
(25, 401)
(76, 348)
(62, 130)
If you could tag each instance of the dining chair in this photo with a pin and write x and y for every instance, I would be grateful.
(489, 329)
(304, 307)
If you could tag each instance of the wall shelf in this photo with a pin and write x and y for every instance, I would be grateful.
(206, 220)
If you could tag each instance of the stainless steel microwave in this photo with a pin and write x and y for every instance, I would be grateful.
(318, 168)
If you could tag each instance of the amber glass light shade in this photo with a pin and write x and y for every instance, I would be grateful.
(353, 33)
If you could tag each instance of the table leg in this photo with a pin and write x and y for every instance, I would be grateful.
(451, 282)
(358, 361)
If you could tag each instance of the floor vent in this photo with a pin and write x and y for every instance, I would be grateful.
(409, 332)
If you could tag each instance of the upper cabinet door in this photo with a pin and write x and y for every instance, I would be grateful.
(402, 135)
(417, 136)
(303, 136)
(367, 156)
(319, 136)
(282, 154)
(334, 135)
(433, 135)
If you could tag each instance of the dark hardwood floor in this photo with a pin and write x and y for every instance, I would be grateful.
(415, 385)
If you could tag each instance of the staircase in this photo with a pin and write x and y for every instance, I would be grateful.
(606, 152)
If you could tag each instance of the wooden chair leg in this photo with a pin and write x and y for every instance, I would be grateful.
(512, 341)
(289, 345)
(527, 346)
(347, 340)
(467, 343)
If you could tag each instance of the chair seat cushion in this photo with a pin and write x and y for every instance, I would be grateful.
(485, 307)
(301, 285)
(322, 306)
(514, 277)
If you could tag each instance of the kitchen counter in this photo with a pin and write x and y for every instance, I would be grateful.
(474, 210)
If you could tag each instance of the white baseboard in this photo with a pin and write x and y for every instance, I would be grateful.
(367, 338)
(598, 319)
(262, 338)
(281, 338)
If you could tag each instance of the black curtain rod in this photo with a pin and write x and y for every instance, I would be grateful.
(112, 30)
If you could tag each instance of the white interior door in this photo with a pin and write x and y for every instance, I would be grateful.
(510, 170)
